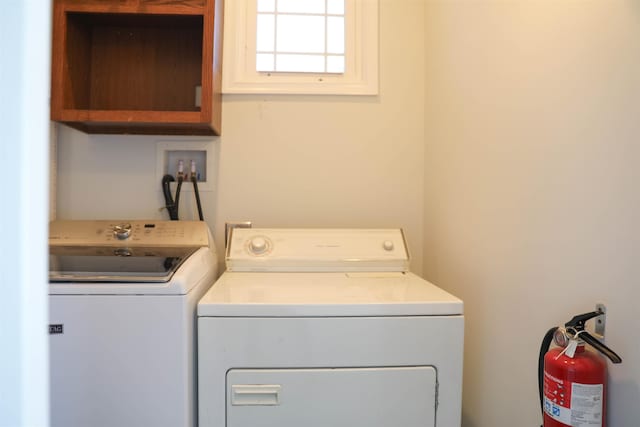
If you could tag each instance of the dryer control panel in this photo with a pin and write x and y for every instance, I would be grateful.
(272, 249)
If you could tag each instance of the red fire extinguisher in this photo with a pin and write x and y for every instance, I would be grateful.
(572, 380)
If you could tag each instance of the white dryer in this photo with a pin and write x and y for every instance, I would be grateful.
(122, 316)
(327, 327)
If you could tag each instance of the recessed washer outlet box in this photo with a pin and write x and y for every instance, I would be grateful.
(173, 158)
(171, 153)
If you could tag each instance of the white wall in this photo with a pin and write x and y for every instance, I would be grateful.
(24, 120)
(532, 199)
(284, 160)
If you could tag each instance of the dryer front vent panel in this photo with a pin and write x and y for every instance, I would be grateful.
(339, 397)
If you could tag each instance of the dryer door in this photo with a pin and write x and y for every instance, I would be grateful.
(341, 397)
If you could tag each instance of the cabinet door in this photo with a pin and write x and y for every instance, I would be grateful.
(341, 397)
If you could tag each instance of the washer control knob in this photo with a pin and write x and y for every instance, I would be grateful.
(388, 245)
(258, 245)
(122, 231)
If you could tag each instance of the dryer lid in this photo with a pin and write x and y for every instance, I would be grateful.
(350, 294)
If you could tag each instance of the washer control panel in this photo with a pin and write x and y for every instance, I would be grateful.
(255, 249)
(128, 233)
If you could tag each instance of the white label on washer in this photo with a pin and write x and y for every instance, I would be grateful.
(586, 405)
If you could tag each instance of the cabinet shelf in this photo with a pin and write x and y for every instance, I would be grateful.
(137, 66)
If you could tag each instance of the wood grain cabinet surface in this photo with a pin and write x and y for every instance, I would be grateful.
(137, 66)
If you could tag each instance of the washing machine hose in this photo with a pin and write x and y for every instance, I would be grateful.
(171, 206)
(194, 180)
(178, 188)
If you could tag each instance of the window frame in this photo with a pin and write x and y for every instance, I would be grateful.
(361, 60)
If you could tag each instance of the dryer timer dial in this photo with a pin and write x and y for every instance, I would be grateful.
(258, 245)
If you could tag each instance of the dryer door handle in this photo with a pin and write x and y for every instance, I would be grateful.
(255, 394)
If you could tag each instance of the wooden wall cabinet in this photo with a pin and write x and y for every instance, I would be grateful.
(137, 66)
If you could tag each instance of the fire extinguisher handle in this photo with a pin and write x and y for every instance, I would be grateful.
(595, 343)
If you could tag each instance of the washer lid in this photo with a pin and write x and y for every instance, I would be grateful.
(243, 294)
(86, 264)
(101, 257)
(121, 251)
(197, 269)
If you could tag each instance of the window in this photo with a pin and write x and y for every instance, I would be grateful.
(301, 46)
(300, 36)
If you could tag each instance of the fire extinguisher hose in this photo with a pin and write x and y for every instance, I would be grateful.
(544, 347)
(592, 341)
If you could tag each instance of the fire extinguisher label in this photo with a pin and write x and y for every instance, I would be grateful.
(586, 405)
(573, 404)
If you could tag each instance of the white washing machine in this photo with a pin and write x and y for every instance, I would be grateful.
(123, 302)
(327, 327)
